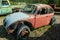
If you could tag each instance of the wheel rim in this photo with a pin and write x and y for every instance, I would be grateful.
(24, 33)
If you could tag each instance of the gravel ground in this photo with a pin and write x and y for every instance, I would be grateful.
(44, 33)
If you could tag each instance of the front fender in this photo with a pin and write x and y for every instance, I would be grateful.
(14, 17)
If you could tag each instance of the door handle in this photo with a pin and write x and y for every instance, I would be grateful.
(46, 16)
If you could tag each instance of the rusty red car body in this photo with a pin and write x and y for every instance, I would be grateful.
(40, 20)
(41, 16)
(31, 17)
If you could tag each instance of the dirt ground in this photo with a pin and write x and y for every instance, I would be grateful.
(44, 33)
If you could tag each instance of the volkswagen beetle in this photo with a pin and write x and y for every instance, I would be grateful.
(31, 17)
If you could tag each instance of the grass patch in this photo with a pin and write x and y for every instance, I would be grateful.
(39, 32)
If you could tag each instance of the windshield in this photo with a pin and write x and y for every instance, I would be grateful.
(29, 9)
(5, 3)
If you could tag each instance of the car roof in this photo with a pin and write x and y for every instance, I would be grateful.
(41, 5)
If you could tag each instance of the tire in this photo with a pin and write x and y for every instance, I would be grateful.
(23, 29)
(52, 22)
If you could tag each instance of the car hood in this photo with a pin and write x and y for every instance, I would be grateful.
(15, 17)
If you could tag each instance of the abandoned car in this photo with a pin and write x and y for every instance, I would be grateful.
(30, 17)
(5, 7)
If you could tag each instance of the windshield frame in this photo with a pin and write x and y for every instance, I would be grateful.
(32, 12)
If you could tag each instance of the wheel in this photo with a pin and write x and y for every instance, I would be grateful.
(52, 22)
(23, 32)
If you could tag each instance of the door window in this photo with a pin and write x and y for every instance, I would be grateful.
(50, 10)
(42, 11)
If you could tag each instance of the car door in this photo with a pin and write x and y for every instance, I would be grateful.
(41, 18)
(50, 14)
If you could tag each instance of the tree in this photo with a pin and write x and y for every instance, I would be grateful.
(50, 1)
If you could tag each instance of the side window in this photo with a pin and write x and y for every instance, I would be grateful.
(50, 10)
(34, 10)
(42, 11)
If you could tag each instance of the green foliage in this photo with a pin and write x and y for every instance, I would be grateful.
(51, 2)
(43, 1)
(36, 1)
